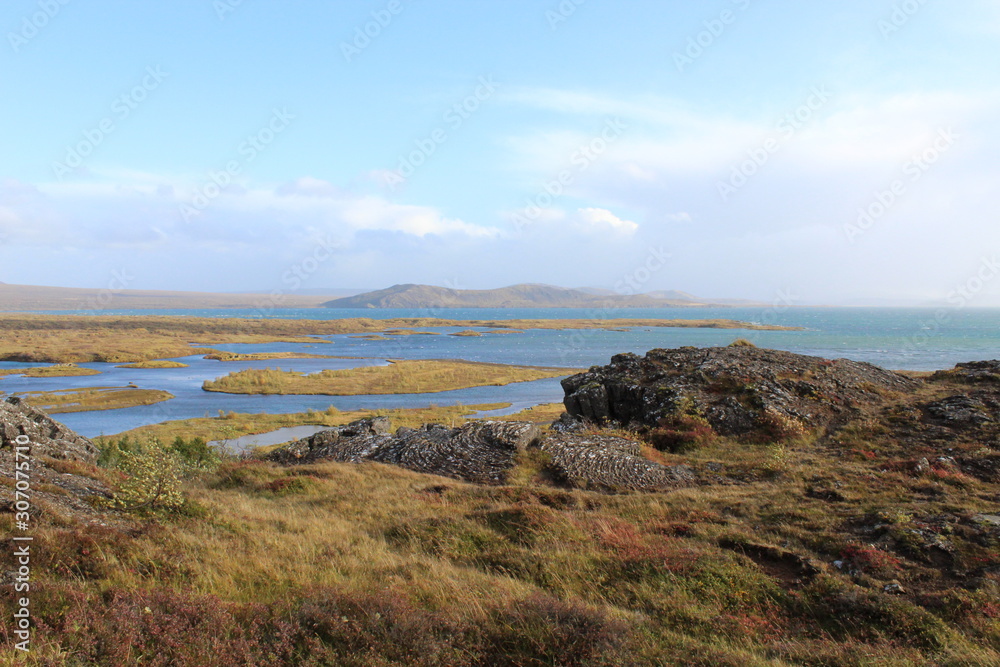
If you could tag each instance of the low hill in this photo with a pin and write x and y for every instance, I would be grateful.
(515, 296)
(37, 297)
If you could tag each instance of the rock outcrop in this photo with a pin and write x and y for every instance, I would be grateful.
(481, 452)
(609, 462)
(738, 390)
(972, 372)
(61, 465)
(46, 436)
(485, 452)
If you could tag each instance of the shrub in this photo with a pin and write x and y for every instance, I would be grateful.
(151, 473)
(870, 559)
(196, 452)
(682, 433)
(152, 479)
(543, 630)
(741, 342)
(780, 426)
(161, 628)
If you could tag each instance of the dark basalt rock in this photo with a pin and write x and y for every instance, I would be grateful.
(476, 451)
(609, 462)
(342, 443)
(737, 389)
(485, 452)
(64, 496)
(973, 372)
(959, 410)
(46, 436)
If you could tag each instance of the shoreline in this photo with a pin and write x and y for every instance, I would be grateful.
(138, 338)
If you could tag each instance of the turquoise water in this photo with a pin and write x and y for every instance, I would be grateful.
(911, 339)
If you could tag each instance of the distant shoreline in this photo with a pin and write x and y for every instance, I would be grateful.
(130, 339)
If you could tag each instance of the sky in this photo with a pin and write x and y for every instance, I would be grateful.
(796, 152)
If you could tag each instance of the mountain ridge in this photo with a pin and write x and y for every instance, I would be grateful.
(524, 295)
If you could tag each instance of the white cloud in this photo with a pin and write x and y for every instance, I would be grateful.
(666, 136)
(95, 213)
(598, 218)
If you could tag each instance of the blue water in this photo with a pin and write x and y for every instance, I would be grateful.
(911, 339)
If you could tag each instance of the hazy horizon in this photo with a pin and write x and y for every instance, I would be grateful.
(823, 155)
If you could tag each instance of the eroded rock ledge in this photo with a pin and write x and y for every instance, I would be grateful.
(486, 452)
(738, 390)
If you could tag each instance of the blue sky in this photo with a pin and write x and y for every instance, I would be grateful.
(840, 153)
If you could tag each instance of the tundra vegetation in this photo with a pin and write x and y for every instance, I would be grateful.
(105, 338)
(863, 544)
(155, 363)
(93, 398)
(56, 370)
(399, 377)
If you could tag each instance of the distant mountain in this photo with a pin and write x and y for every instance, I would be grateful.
(37, 297)
(515, 296)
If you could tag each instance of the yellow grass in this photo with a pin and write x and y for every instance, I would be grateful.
(655, 563)
(400, 377)
(409, 332)
(156, 363)
(73, 338)
(96, 398)
(543, 414)
(59, 370)
(267, 356)
(234, 425)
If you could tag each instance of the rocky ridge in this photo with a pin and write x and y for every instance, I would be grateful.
(485, 452)
(480, 452)
(59, 462)
(47, 436)
(736, 389)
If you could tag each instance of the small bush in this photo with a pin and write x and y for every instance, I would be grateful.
(780, 426)
(248, 475)
(543, 630)
(682, 433)
(196, 452)
(153, 480)
(286, 486)
(151, 473)
(741, 342)
(870, 559)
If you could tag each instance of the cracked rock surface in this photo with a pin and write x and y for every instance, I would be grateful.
(735, 388)
(476, 451)
(47, 436)
(485, 452)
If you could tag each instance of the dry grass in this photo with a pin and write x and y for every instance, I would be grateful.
(400, 377)
(409, 332)
(72, 338)
(155, 363)
(59, 370)
(267, 356)
(373, 565)
(540, 414)
(96, 398)
(232, 425)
